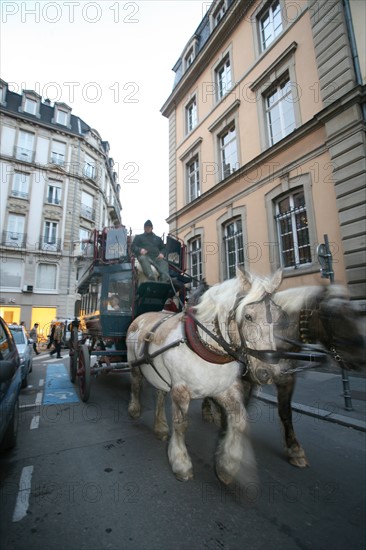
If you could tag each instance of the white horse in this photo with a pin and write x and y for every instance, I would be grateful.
(235, 320)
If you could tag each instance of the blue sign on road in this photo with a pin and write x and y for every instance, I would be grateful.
(58, 388)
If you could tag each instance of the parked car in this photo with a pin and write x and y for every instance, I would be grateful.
(25, 350)
(10, 384)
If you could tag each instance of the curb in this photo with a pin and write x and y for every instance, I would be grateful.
(318, 413)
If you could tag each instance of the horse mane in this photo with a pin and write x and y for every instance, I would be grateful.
(219, 300)
(294, 299)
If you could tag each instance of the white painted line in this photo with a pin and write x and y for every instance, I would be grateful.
(39, 398)
(22, 502)
(35, 422)
(41, 382)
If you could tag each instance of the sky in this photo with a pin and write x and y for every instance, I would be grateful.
(111, 62)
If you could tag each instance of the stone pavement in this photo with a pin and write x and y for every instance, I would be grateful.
(321, 394)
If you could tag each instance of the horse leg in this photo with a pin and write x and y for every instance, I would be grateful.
(211, 412)
(296, 454)
(161, 428)
(134, 407)
(235, 459)
(177, 451)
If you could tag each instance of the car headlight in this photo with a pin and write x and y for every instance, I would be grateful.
(22, 358)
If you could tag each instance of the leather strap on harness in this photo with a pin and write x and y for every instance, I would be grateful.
(203, 350)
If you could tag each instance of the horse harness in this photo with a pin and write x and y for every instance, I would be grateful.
(232, 352)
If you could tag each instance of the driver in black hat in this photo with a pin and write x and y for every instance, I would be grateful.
(149, 250)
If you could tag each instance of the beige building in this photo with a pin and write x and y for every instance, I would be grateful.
(267, 140)
(57, 183)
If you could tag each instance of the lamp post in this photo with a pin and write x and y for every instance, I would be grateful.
(326, 267)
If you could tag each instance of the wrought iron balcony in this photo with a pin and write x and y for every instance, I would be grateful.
(87, 212)
(57, 158)
(14, 239)
(20, 194)
(24, 154)
(49, 244)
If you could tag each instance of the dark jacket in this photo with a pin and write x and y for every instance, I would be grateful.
(151, 242)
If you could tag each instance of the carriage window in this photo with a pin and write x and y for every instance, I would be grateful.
(119, 294)
(293, 231)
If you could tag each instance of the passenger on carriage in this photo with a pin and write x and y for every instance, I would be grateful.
(113, 303)
(149, 250)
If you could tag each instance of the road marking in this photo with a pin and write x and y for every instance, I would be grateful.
(41, 382)
(39, 398)
(58, 388)
(35, 422)
(22, 502)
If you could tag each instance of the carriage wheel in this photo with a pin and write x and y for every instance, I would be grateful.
(83, 372)
(74, 352)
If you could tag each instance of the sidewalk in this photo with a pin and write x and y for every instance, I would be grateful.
(321, 394)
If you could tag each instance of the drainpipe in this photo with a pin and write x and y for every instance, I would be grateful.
(353, 46)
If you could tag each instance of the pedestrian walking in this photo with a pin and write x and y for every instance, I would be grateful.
(57, 339)
(33, 334)
(50, 340)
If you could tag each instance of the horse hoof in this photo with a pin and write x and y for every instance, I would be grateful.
(134, 411)
(162, 436)
(187, 476)
(224, 476)
(299, 462)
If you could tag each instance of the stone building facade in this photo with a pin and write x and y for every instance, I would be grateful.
(57, 184)
(267, 141)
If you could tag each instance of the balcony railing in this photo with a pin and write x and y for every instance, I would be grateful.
(13, 239)
(87, 212)
(24, 154)
(57, 158)
(20, 194)
(52, 245)
(53, 200)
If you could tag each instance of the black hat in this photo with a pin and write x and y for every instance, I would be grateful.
(148, 223)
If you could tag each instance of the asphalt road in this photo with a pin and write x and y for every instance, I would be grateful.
(86, 476)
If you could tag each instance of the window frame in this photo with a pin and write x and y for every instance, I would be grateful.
(90, 167)
(197, 178)
(58, 152)
(218, 7)
(232, 213)
(268, 11)
(186, 158)
(218, 128)
(222, 147)
(279, 105)
(29, 140)
(23, 191)
(291, 217)
(46, 265)
(230, 267)
(190, 126)
(221, 83)
(288, 186)
(262, 86)
(54, 185)
(195, 267)
(18, 265)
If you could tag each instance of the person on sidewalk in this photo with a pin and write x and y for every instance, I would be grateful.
(149, 250)
(33, 334)
(57, 340)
